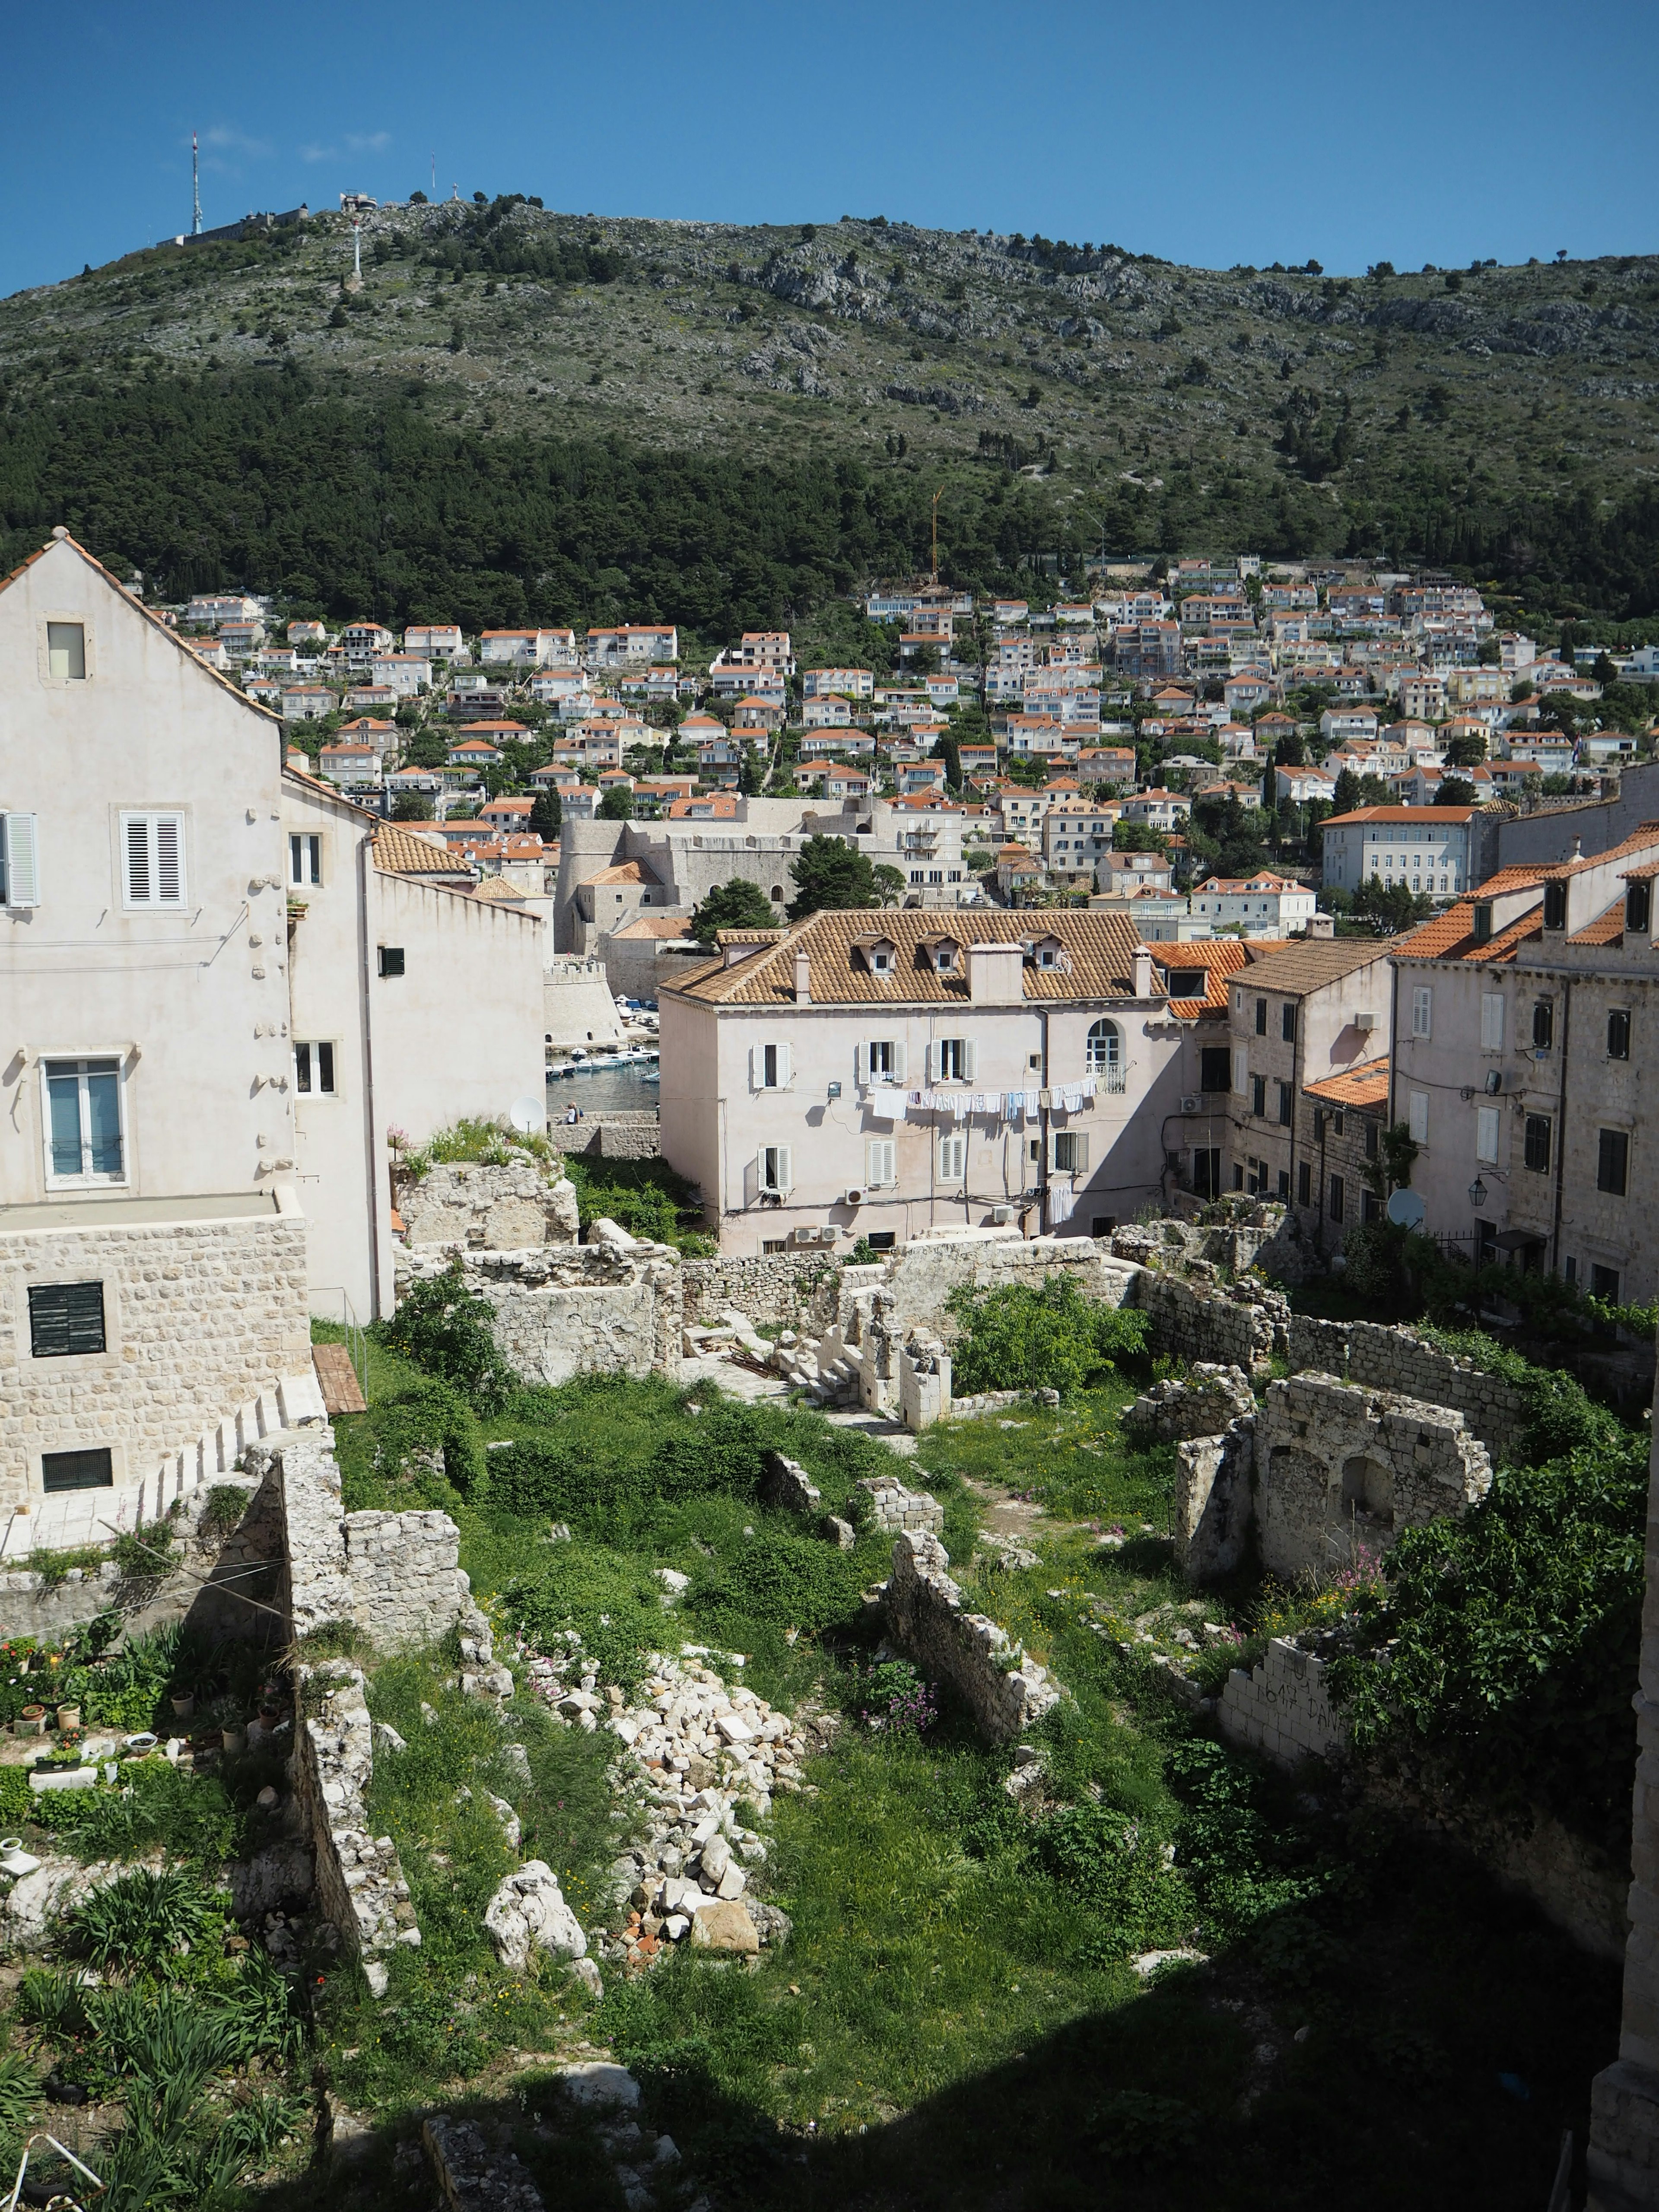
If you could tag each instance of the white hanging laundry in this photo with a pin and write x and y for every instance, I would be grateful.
(1089, 1087)
(1033, 1105)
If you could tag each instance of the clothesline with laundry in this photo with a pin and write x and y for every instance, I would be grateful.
(1002, 1105)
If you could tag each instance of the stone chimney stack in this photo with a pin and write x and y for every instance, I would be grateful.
(1143, 972)
(803, 979)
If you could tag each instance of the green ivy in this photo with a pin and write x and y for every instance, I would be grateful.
(449, 1330)
(1051, 1338)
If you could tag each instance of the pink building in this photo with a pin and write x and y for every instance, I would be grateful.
(877, 1073)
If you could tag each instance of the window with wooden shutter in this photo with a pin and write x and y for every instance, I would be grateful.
(1417, 1117)
(1491, 1021)
(1070, 1151)
(1487, 1123)
(770, 1067)
(20, 864)
(1612, 1161)
(952, 1158)
(773, 1171)
(880, 1162)
(65, 1319)
(153, 860)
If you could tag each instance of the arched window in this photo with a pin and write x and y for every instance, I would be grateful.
(1106, 1059)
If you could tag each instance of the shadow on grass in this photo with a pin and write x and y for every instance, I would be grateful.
(1196, 2091)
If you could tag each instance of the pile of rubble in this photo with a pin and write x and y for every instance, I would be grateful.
(698, 1749)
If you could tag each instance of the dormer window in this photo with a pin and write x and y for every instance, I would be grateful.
(1483, 922)
(878, 954)
(1638, 905)
(1555, 905)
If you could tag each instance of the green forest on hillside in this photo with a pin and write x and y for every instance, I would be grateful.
(364, 505)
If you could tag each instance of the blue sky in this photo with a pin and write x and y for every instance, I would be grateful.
(1255, 132)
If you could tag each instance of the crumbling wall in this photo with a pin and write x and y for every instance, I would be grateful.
(1213, 1505)
(359, 1882)
(1202, 1403)
(621, 1133)
(1005, 1691)
(1283, 1707)
(404, 1583)
(497, 1209)
(1392, 1358)
(610, 1307)
(892, 1510)
(1237, 1325)
(777, 1290)
(1337, 1466)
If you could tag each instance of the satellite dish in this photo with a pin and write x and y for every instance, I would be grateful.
(530, 1114)
(1406, 1209)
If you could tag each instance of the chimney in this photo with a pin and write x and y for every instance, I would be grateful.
(1143, 972)
(803, 979)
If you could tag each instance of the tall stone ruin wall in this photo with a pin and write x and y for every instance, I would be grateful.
(1385, 1358)
(608, 1308)
(775, 1290)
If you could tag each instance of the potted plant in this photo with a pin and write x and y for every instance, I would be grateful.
(32, 1721)
(69, 1718)
(184, 1704)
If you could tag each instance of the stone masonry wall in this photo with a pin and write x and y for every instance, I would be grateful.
(1237, 1327)
(778, 1290)
(497, 1209)
(360, 1883)
(621, 1134)
(1395, 1359)
(612, 1307)
(1213, 1503)
(404, 1582)
(1282, 1707)
(925, 1617)
(1337, 1466)
(200, 1316)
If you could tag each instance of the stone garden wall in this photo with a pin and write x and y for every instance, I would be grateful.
(360, 1883)
(497, 1209)
(775, 1290)
(1282, 1707)
(1396, 1359)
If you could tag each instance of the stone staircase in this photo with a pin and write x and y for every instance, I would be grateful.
(76, 1518)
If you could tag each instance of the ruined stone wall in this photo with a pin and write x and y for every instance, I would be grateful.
(1282, 1707)
(497, 1209)
(612, 1307)
(360, 1883)
(624, 1133)
(1338, 1468)
(1004, 1691)
(199, 1318)
(404, 1582)
(1213, 1505)
(1387, 1358)
(1241, 1326)
(776, 1290)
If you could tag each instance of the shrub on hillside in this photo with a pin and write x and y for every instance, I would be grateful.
(1048, 1337)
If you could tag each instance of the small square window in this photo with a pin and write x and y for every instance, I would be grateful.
(313, 1069)
(1604, 1283)
(391, 959)
(77, 1470)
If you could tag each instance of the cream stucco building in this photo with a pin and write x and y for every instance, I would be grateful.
(217, 987)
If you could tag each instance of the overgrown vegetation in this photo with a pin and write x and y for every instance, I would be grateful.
(1051, 1337)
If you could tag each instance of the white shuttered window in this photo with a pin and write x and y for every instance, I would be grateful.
(880, 1162)
(1418, 1117)
(20, 860)
(1491, 1021)
(1486, 1135)
(952, 1158)
(881, 1060)
(153, 860)
(771, 1067)
(953, 1059)
(1422, 1011)
(775, 1169)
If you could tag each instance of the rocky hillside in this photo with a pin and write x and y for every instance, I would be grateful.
(1157, 405)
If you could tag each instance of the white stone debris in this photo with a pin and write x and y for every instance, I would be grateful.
(528, 1913)
(700, 1748)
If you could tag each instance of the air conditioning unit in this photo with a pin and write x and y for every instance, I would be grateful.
(828, 1234)
(1191, 1105)
(854, 1197)
(1002, 1215)
(1365, 1019)
(802, 1236)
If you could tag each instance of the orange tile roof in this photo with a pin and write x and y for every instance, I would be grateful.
(1366, 1085)
(626, 872)
(401, 851)
(1608, 928)
(1415, 814)
(1102, 948)
(1450, 935)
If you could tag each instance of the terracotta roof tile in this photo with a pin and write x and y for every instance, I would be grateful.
(626, 872)
(1450, 936)
(1366, 1085)
(1101, 949)
(1608, 928)
(1319, 960)
(399, 850)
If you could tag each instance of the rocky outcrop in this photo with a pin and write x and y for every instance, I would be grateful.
(1005, 1690)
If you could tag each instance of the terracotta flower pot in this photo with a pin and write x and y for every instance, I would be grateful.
(32, 1721)
(184, 1705)
(233, 1738)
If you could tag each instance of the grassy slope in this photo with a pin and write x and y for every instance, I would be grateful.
(1526, 383)
(953, 2021)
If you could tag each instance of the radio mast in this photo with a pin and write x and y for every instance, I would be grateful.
(195, 189)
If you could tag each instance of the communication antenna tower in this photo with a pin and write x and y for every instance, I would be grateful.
(938, 495)
(434, 176)
(195, 188)
(357, 249)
